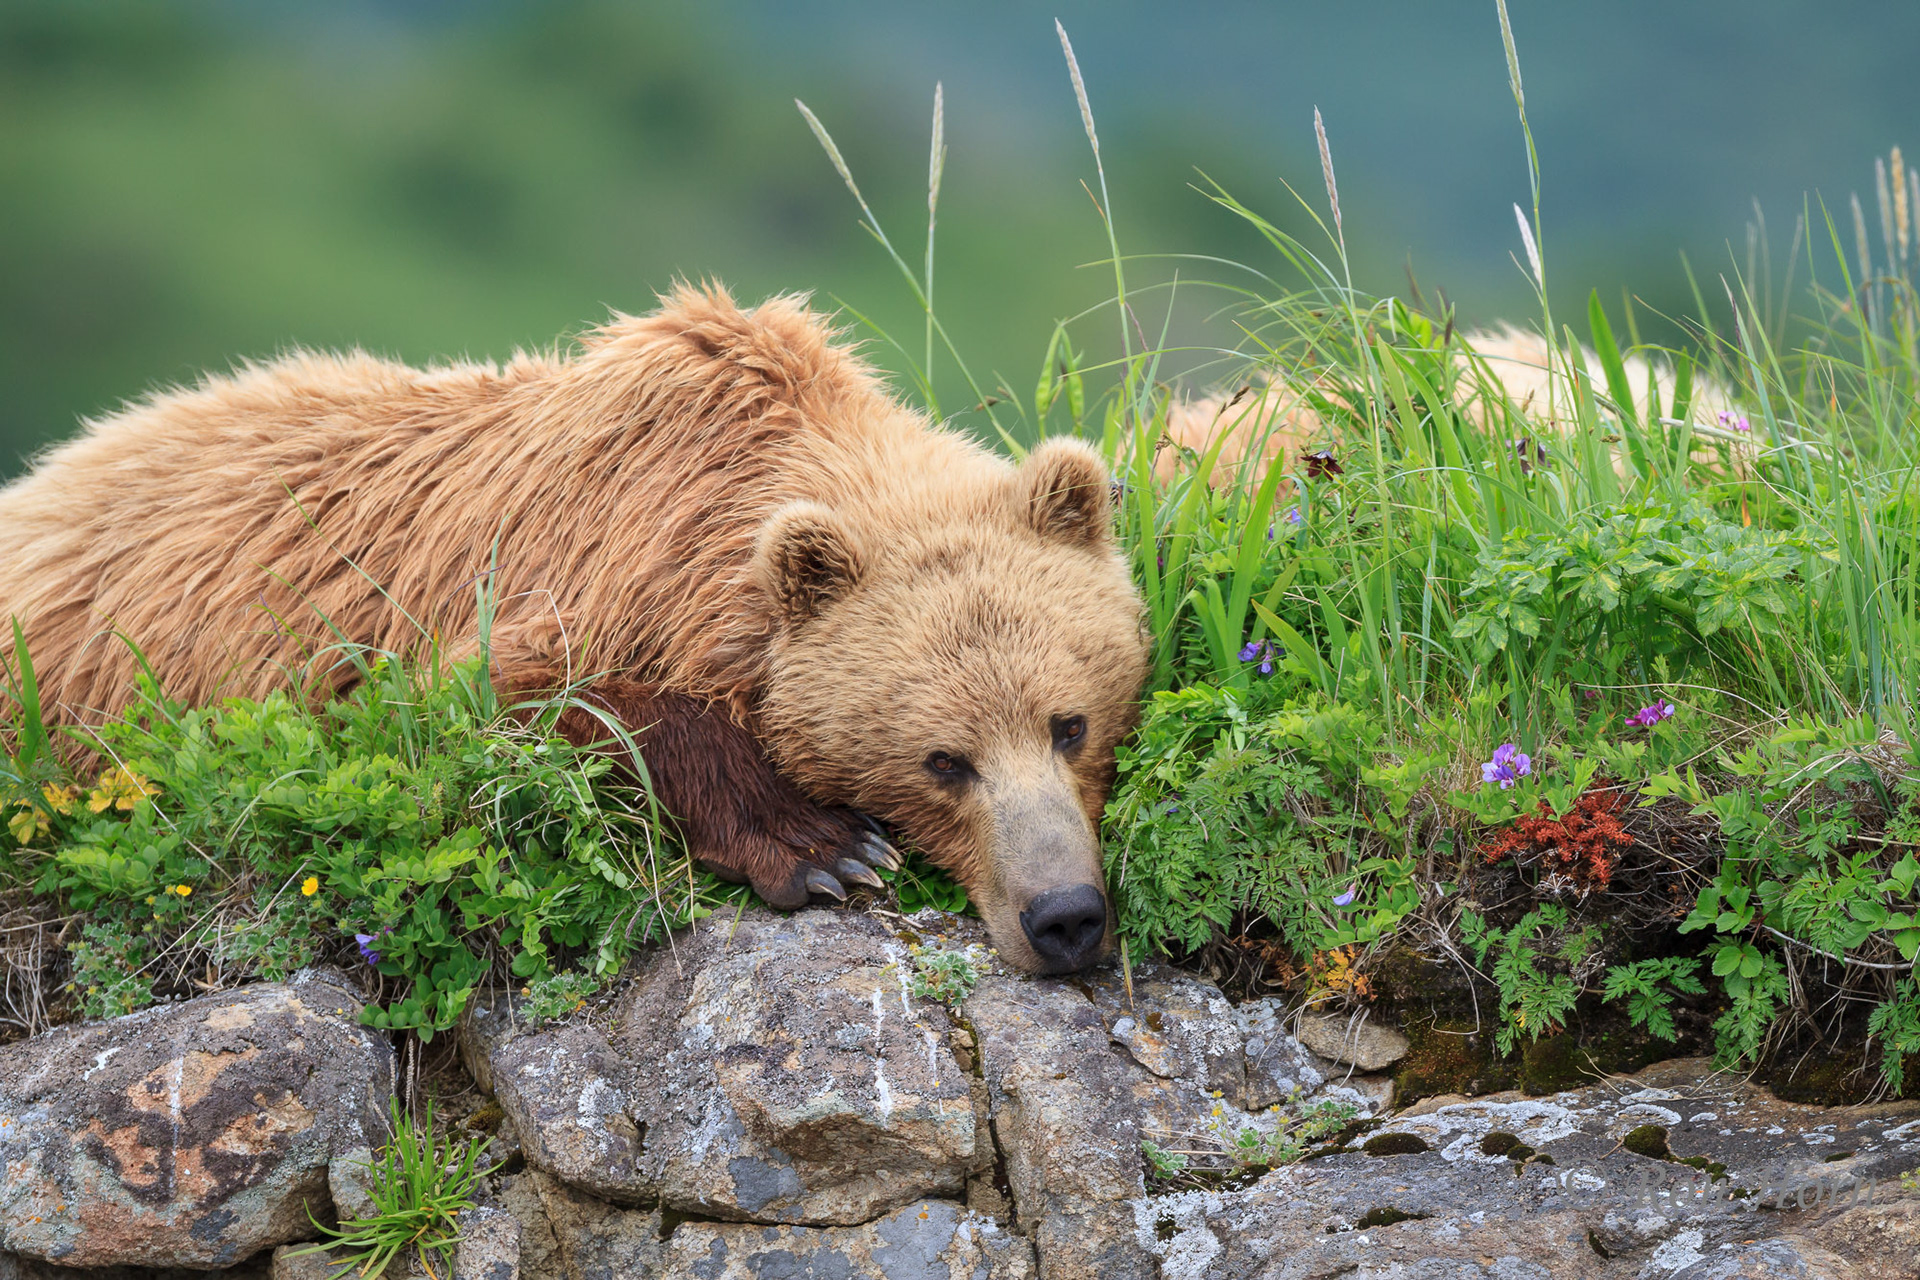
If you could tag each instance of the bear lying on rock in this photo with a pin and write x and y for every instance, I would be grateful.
(811, 606)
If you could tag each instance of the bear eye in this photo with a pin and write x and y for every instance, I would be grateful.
(948, 767)
(1068, 731)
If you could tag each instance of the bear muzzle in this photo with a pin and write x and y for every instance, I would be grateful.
(1044, 878)
(1066, 927)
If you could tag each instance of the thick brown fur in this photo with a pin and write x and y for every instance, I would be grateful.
(715, 517)
(1275, 418)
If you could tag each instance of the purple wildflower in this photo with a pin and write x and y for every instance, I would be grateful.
(1735, 421)
(365, 942)
(1650, 715)
(1260, 651)
(1345, 899)
(1249, 651)
(1293, 515)
(1321, 463)
(1509, 765)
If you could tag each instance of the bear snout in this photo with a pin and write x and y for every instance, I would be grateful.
(1066, 926)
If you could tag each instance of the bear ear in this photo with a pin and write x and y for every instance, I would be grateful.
(1068, 493)
(805, 556)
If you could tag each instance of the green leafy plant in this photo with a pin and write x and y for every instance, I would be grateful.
(418, 1184)
(108, 964)
(1223, 805)
(1162, 1164)
(556, 995)
(1250, 1147)
(1534, 1000)
(411, 827)
(943, 976)
(1896, 1024)
(1640, 985)
(918, 884)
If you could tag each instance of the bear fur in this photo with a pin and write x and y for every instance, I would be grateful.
(1276, 419)
(808, 603)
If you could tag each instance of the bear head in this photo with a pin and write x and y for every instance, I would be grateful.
(962, 665)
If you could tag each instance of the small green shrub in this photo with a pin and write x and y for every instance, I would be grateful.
(556, 995)
(1640, 985)
(409, 827)
(109, 976)
(418, 1184)
(945, 977)
(1534, 1000)
(1162, 1163)
(919, 884)
(1231, 800)
(1896, 1023)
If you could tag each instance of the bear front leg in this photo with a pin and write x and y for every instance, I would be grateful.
(740, 817)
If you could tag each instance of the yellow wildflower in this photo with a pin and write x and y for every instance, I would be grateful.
(309, 886)
(26, 824)
(184, 890)
(119, 788)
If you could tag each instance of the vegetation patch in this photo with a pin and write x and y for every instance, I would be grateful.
(1395, 1144)
(413, 830)
(1231, 1148)
(1497, 1143)
(417, 1184)
(1649, 1140)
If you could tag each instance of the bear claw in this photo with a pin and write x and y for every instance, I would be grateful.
(858, 872)
(876, 852)
(819, 881)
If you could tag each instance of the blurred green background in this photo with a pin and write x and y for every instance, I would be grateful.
(184, 184)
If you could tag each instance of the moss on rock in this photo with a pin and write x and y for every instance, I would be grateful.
(1649, 1140)
(1448, 1057)
(1395, 1144)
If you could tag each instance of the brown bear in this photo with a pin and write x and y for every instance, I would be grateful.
(1275, 415)
(811, 606)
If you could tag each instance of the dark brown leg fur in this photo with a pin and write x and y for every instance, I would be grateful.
(741, 819)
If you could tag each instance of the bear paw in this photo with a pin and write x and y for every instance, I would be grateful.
(788, 868)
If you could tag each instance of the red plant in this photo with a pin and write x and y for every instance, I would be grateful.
(1586, 845)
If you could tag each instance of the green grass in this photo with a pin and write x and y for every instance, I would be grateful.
(418, 1184)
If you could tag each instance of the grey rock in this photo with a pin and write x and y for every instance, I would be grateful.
(15, 1267)
(1459, 1208)
(489, 1247)
(489, 1021)
(1175, 1025)
(349, 1176)
(578, 1109)
(577, 1236)
(300, 1262)
(193, 1134)
(1366, 1045)
(773, 1069)
(1068, 1124)
(570, 1236)
(924, 1240)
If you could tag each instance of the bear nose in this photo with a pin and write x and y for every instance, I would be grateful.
(1066, 925)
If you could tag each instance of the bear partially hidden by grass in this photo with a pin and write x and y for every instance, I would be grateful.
(809, 605)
